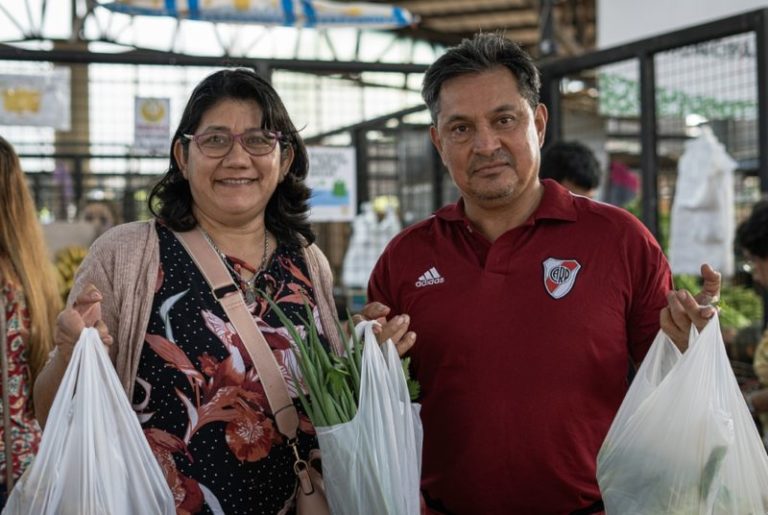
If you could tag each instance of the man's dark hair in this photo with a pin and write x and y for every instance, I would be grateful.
(570, 161)
(484, 52)
(286, 214)
(752, 233)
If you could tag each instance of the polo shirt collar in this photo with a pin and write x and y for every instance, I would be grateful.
(557, 203)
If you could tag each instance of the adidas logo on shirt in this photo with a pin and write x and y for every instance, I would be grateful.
(430, 277)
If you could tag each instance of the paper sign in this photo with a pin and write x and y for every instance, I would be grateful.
(333, 180)
(152, 125)
(41, 100)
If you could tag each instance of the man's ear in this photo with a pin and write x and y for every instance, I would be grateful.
(540, 120)
(436, 141)
(180, 154)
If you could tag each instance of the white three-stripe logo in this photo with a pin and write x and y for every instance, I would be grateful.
(430, 277)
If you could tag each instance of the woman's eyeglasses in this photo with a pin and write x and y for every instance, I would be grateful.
(257, 142)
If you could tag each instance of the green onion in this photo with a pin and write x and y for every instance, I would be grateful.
(332, 380)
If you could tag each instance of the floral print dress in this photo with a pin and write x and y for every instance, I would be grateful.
(25, 431)
(198, 397)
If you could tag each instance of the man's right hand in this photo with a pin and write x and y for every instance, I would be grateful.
(396, 328)
(85, 312)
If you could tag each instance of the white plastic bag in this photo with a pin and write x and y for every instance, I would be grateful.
(683, 441)
(93, 457)
(372, 464)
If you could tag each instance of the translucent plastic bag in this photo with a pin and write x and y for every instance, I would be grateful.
(372, 464)
(683, 441)
(93, 457)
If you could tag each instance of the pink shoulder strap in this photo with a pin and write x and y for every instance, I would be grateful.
(230, 298)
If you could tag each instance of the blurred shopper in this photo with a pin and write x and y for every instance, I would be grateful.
(237, 175)
(29, 302)
(528, 301)
(623, 186)
(752, 239)
(573, 165)
(103, 214)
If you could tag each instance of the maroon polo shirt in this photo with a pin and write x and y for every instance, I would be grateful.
(523, 346)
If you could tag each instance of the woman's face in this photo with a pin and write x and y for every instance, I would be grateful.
(232, 190)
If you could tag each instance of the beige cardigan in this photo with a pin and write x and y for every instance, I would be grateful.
(123, 265)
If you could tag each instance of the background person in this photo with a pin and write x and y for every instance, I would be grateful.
(528, 301)
(29, 302)
(103, 214)
(752, 239)
(237, 173)
(573, 165)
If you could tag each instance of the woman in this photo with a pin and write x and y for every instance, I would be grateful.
(237, 173)
(29, 302)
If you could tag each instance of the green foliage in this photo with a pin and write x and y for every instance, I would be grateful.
(414, 388)
(739, 306)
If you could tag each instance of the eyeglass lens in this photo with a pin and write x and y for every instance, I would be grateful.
(218, 143)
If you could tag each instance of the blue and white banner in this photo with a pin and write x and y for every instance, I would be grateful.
(291, 13)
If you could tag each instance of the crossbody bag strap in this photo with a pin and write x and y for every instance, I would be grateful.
(228, 294)
(7, 440)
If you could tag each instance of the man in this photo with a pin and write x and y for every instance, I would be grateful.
(527, 301)
(573, 165)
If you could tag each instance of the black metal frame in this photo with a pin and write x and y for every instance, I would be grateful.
(152, 57)
(644, 51)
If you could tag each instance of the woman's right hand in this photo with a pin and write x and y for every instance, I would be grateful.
(85, 312)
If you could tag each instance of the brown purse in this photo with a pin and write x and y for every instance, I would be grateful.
(310, 489)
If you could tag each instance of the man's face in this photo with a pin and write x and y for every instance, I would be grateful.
(489, 138)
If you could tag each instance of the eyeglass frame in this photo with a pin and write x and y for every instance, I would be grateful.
(236, 138)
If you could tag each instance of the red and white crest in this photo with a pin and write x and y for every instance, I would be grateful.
(559, 276)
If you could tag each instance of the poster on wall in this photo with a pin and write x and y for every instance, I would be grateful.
(152, 125)
(40, 100)
(333, 180)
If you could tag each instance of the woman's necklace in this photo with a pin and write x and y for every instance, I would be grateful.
(247, 285)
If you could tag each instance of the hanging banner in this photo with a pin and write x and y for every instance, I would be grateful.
(333, 180)
(152, 125)
(733, 56)
(291, 13)
(41, 100)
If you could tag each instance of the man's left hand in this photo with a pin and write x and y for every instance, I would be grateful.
(684, 309)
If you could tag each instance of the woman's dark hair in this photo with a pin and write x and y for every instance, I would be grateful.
(484, 52)
(287, 211)
(752, 233)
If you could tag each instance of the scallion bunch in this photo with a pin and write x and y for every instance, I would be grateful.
(332, 380)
